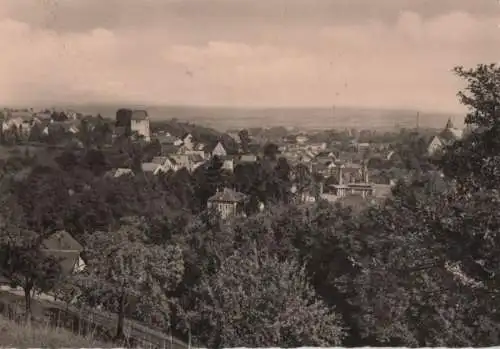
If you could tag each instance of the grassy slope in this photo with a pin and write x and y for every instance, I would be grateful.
(16, 335)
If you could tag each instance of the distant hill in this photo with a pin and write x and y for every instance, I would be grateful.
(223, 118)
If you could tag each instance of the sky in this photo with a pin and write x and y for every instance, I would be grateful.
(246, 53)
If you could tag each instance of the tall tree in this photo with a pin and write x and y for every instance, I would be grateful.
(245, 140)
(22, 259)
(255, 300)
(473, 161)
(126, 271)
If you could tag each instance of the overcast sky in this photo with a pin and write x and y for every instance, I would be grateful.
(369, 53)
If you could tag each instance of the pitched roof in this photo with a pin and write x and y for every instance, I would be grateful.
(169, 148)
(167, 139)
(248, 158)
(160, 160)
(23, 115)
(228, 195)
(149, 166)
(327, 153)
(121, 172)
(62, 241)
(195, 158)
(219, 148)
(67, 259)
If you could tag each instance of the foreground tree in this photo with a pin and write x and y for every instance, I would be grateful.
(474, 161)
(126, 272)
(255, 300)
(22, 259)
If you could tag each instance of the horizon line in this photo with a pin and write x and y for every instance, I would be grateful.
(223, 106)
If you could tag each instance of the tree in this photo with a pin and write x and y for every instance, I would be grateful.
(473, 161)
(22, 259)
(271, 151)
(126, 272)
(303, 178)
(255, 300)
(245, 140)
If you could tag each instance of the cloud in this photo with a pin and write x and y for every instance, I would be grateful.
(402, 63)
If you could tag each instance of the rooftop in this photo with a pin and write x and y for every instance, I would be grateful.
(228, 195)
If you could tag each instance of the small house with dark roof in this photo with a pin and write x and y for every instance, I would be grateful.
(227, 203)
(63, 246)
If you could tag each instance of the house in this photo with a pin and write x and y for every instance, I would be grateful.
(151, 167)
(22, 119)
(227, 203)
(447, 136)
(187, 161)
(167, 163)
(63, 246)
(60, 127)
(344, 188)
(325, 157)
(325, 168)
(219, 150)
(228, 164)
(247, 158)
(301, 139)
(434, 145)
(118, 172)
(200, 147)
(235, 136)
(44, 115)
(134, 121)
(317, 147)
(389, 155)
(168, 139)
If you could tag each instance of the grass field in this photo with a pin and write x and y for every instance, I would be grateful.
(82, 323)
(40, 332)
(16, 335)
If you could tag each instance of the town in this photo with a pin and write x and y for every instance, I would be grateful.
(82, 188)
(332, 165)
